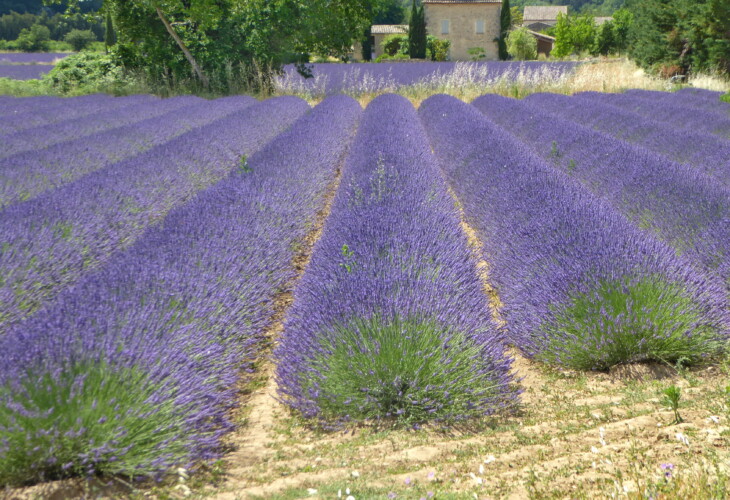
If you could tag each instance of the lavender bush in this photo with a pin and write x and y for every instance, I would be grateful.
(188, 303)
(707, 152)
(26, 175)
(75, 129)
(390, 320)
(49, 242)
(687, 209)
(581, 286)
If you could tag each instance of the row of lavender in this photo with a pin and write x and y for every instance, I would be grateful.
(52, 155)
(680, 204)
(581, 285)
(133, 370)
(51, 240)
(390, 320)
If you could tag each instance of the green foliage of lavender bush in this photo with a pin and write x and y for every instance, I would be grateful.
(91, 419)
(403, 370)
(725, 97)
(627, 322)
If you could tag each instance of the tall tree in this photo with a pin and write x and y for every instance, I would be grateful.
(172, 39)
(505, 23)
(110, 37)
(680, 35)
(417, 32)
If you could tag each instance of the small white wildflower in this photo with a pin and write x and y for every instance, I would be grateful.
(182, 473)
(311, 491)
(184, 490)
(489, 459)
(593, 465)
(339, 493)
(714, 419)
(594, 449)
(682, 438)
(602, 433)
(659, 424)
(347, 491)
(355, 473)
(350, 497)
(481, 469)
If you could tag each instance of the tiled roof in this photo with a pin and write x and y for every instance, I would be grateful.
(543, 13)
(541, 35)
(388, 29)
(602, 19)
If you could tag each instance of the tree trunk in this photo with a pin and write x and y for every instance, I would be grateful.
(181, 44)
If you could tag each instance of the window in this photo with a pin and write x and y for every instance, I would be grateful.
(445, 27)
(480, 27)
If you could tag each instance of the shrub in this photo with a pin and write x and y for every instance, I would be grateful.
(395, 44)
(408, 369)
(80, 39)
(85, 72)
(34, 39)
(522, 45)
(397, 57)
(438, 49)
(476, 53)
(627, 321)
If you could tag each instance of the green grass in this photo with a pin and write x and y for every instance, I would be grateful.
(406, 371)
(89, 418)
(725, 97)
(628, 322)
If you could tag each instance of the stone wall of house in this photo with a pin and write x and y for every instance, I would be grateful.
(463, 20)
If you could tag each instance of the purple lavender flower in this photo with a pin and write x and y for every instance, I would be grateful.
(390, 321)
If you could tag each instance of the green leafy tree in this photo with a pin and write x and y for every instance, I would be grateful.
(172, 40)
(522, 45)
(573, 35)
(366, 45)
(505, 23)
(622, 21)
(606, 39)
(80, 39)
(672, 36)
(417, 32)
(517, 17)
(34, 39)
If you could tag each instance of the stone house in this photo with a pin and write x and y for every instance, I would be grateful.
(467, 24)
(538, 18)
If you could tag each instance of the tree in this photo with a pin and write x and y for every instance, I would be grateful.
(110, 36)
(573, 35)
(505, 23)
(517, 17)
(417, 33)
(522, 45)
(605, 42)
(34, 39)
(622, 21)
(80, 39)
(672, 36)
(388, 12)
(170, 40)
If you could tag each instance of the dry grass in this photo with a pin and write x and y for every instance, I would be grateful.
(468, 81)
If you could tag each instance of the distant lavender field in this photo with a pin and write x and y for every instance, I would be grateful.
(31, 57)
(332, 78)
(24, 71)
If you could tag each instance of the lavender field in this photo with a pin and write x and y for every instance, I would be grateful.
(389, 265)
